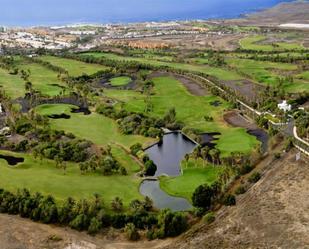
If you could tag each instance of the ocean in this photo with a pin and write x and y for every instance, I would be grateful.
(60, 12)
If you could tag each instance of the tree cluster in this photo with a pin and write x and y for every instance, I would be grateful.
(90, 215)
(133, 123)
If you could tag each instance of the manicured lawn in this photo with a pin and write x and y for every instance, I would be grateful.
(236, 140)
(195, 175)
(75, 68)
(95, 127)
(44, 177)
(191, 110)
(13, 85)
(120, 81)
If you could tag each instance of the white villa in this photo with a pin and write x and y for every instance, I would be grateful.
(284, 106)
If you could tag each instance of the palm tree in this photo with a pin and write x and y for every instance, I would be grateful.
(187, 157)
(205, 154)
(215, 154)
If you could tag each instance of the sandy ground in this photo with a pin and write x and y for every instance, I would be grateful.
(234, 118)
(245, 88)
(18, 233)
(274, 213)
(197, 41)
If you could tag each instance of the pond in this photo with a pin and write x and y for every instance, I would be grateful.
(11, 160)
(262, 136)
(84, 110)
(207, 139)
(168, 154)
(161, 199)
(59, 116)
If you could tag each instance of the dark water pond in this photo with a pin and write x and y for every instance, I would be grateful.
(262, 136)
(59, 116)
(84, 110)
(168, 154)
(216, 103)
(161, 199)
(11, 160)
(208, 138)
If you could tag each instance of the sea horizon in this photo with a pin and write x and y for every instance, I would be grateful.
(69, 12)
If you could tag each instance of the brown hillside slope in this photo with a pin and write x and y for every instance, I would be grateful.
(274, 213)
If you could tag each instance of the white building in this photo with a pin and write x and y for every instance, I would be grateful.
(284, 106)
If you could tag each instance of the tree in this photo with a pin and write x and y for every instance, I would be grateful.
(63, 166)
(136, 205)
(66, 211)
(148, 203)
(135, 148)
(205, 153)
(202, 196)
(150, 168)
(187, 157)
(171, 223)
(170, 116)
(80, 222)
(215, 154)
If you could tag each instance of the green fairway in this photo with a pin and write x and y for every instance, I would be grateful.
(75, 68)
(194, 174)
(95, 127)
(44, 177)
(13, 85)
(191, 110)
(255, 43)
(120, 81)
(268, 73)
(43, 79)
(220, 73)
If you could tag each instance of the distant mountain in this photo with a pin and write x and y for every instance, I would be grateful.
(294, 12)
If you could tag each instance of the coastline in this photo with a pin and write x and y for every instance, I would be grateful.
(242, 14)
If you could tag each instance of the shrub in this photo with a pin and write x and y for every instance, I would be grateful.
(151, 234)
(254, 177)
(199, 212)
(131, 232)
(245, 169)
(209, 218)
(240, 190)
(95, 226)
(277, 155)
(229, 200)
(117, 204)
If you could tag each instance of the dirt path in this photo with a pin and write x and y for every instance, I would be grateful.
(192, 86)
(274, 213)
